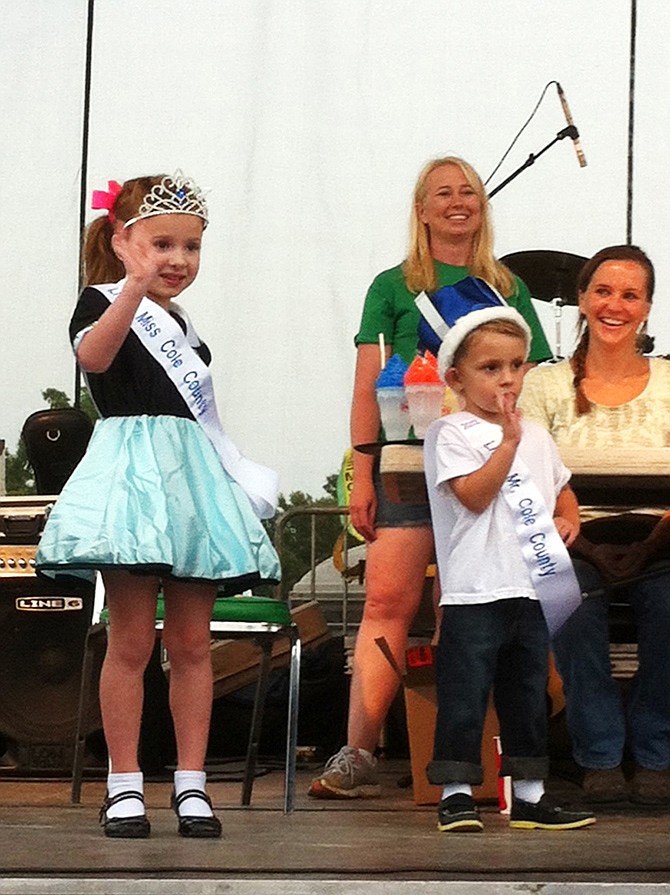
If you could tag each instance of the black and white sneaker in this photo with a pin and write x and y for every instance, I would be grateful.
(458, 814)
(547, 815)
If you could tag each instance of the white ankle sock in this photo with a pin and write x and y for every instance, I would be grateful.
(528, 790)
(193, 807)
(118, 783)
(450, 789)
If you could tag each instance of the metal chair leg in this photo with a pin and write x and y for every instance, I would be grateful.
(83, 712)
(292, 727)
(257, 719)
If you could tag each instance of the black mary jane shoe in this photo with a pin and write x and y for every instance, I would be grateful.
(192, 826)
(135, 827)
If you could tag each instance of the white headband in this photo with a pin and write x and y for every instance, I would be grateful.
(471, 321)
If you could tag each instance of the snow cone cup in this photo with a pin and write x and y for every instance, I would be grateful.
(425, 392)
(393, 411)
(392, 401)
(424, 403)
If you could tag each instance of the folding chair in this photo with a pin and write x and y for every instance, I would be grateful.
(262, 619)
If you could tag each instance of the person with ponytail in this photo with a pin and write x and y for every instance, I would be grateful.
(451, 239)
(162, 500)
(610, 395)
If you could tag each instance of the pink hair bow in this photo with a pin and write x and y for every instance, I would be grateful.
(106, 199)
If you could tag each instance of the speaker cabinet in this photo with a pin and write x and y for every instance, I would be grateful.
(43, 627)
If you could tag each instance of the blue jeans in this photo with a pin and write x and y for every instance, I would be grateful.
(504, 645)
(597, 720)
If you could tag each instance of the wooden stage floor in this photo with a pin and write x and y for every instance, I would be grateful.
(385, 845)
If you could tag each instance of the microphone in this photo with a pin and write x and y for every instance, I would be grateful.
(581, 158)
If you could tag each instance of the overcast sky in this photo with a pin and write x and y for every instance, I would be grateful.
(309, 121)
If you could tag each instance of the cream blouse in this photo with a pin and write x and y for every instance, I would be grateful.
(548, 397)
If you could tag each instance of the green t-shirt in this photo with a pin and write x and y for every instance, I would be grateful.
(390, 309)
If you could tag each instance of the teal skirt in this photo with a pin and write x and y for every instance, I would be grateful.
(151, 496)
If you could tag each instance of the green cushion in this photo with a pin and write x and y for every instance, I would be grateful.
(251, 609)
(235, 609)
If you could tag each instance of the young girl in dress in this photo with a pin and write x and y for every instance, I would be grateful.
(162, 499)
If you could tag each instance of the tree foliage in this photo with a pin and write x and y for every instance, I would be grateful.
(295, 543)
(18, 473)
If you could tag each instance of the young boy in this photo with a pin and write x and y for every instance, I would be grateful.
(494, 483)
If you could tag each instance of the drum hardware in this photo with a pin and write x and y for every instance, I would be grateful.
(557, 304)
(550, 276)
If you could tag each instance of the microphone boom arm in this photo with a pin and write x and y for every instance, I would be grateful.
(569, 131)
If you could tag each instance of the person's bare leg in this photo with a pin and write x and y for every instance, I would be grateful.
(395, 570)
(186, 637)
(131, 600)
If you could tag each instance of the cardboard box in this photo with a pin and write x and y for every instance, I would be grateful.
(421, 712)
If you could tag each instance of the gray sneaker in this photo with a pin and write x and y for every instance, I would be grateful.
(349, 774)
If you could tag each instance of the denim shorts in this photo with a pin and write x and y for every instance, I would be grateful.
(397, 515)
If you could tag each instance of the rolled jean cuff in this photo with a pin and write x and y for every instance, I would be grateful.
(519, 767)
(441, 772)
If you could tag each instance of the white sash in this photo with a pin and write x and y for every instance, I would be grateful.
(431, 315)
(160, 334)
(546, 556)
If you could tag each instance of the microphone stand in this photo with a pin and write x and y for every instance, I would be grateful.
(570, 131)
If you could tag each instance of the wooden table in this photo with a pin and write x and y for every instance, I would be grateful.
(616, 476)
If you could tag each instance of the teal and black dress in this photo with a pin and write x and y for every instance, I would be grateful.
(150, 495)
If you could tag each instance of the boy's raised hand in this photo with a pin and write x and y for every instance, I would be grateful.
(511, 418)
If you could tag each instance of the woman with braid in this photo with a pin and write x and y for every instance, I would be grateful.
(608, 396)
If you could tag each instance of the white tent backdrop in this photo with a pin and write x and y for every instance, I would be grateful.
(309, 121)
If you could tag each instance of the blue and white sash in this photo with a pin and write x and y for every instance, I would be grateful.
(160, 334)
(546, 556)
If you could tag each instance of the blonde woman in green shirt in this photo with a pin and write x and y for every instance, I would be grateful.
(451, 238)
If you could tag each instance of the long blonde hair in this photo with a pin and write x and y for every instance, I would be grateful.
(419, 267)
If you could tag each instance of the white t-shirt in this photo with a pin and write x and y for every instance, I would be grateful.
(478, 554)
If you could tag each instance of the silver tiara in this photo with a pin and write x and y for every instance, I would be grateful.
(175, 194)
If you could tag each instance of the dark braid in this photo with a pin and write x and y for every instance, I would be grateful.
(578, 364)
